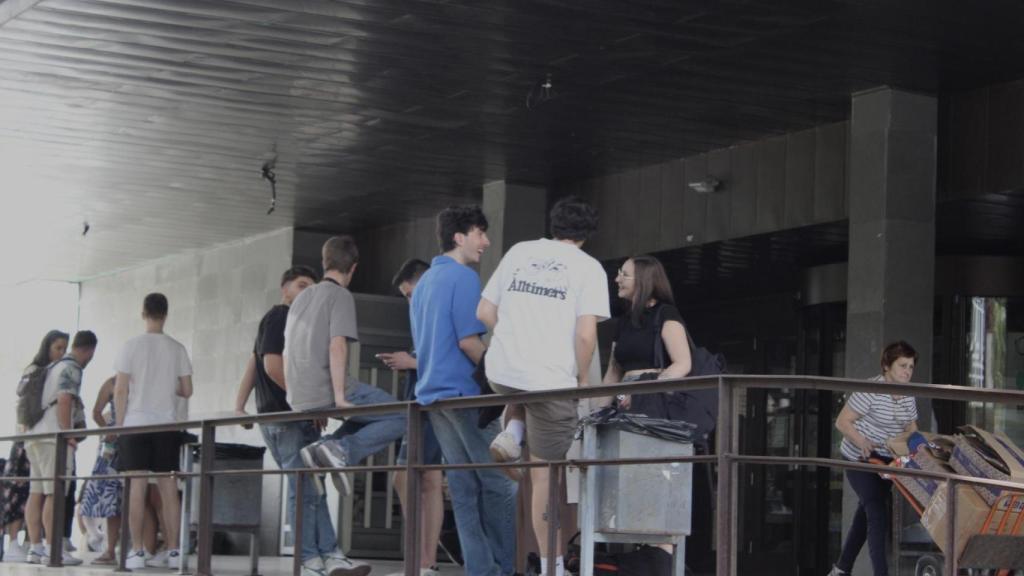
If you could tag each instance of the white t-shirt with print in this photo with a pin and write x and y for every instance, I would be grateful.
(155, 363)
(540, 288)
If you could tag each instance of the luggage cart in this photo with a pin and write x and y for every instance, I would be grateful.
(634, 504)
(998, 548)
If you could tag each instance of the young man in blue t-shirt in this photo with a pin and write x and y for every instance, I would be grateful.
(447, 337)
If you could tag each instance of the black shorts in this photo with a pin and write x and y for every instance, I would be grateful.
(153, 452)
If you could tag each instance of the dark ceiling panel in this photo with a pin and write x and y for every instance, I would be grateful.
(151, 118)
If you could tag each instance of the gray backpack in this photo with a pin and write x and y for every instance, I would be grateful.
(30, 396)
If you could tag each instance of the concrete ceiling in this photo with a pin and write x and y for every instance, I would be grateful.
(150, 119)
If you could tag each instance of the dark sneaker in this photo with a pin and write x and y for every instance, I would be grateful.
(333, 455)
(309, 460)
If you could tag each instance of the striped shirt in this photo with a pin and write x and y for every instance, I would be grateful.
(882, 416)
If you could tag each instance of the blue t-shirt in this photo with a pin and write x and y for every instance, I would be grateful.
(443, 311)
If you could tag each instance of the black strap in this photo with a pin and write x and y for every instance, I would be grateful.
(331, 280)
(659, 344)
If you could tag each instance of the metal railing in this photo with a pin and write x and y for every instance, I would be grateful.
(727, 455)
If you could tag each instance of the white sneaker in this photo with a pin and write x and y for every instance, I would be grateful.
(505, 448)
(174, 559)
(333, 455)
(313, 567)
(68, 560)
(38, 555)
(835, 571)
(69, 545)
(158, 560)
(16, 552)
(136, 560)
(309, 460)
(337, 564)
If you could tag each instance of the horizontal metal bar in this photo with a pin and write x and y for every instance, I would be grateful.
(946, 392)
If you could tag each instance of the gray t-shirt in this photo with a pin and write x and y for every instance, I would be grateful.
(320, 313)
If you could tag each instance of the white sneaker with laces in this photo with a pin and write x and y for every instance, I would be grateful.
(69, 545)
(835, 571)
(136, 560)
(313, 567)
(337, 564)
(333, 455)
(309, 460)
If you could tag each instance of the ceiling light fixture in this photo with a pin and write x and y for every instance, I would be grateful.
(705, 186)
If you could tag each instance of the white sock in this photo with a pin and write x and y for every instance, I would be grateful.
(517, 428)
(559, 566)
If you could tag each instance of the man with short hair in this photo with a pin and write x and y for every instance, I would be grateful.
(153, 382)
(447, 338)
(264, 373)
(432, 508)
(544, 302)
(63, 410)
(321, 324)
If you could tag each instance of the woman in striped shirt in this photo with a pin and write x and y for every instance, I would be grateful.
(866, 422)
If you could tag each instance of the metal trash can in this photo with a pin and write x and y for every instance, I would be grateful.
(647, 498)
(233, 496)
(634, 503)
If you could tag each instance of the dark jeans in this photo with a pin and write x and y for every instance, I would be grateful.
(870, 522)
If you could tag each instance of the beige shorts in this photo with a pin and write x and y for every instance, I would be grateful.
(41, 456)
(550, 426)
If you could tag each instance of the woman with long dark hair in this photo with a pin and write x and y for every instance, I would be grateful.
(651, 314)
(14, 494)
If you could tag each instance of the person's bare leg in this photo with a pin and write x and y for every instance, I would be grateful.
(113, 535)
(171, 511)
(432, 517)
(12, 529)
(48, 518)
(34, 518)
(539, 514)
(137, 513)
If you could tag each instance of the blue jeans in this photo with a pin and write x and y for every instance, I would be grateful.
(363, 436)
(869, 522)
(484, 500)
(285, 441)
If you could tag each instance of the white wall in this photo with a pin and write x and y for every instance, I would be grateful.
(217, 298)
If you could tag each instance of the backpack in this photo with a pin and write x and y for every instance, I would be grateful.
(30, 408)
(699, 407)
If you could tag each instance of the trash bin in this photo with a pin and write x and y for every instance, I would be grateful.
(233, 496)
(642, 498)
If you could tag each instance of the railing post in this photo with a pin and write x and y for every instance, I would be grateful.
(723, 445)
(951, 560)
(553, 509)
(413, 502)
(297, 520)
(205, 532)
(57, 516)
(125, 535)
(186, 507)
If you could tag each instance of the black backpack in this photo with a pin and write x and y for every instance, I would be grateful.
(30, 396)
(698, 407)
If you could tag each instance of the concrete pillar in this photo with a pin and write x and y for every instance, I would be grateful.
(892, 239)
(515, 213)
